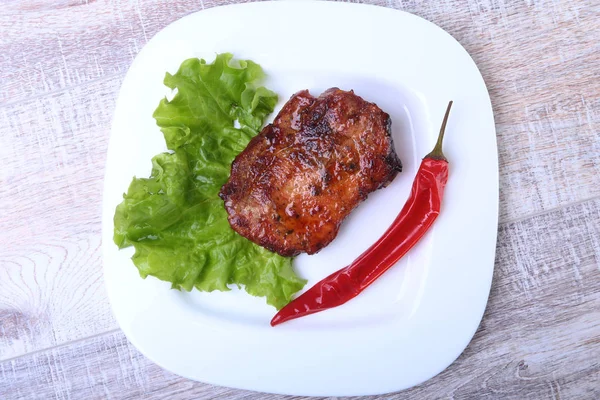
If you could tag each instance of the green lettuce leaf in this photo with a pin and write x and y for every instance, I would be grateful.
(175, 219)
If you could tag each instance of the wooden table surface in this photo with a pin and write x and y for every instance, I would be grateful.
(61, 65)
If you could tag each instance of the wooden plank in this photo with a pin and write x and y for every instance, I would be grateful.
(540, 337)
(53, 45)
(53, 153)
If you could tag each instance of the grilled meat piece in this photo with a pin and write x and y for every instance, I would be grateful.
(296, 181)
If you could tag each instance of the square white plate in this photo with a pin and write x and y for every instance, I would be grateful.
(414, 321)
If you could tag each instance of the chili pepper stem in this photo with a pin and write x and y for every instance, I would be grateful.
(437, 153)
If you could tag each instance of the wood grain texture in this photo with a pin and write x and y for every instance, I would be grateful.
(51, 289)
(553, 352)
(47, 46)
(61, 66)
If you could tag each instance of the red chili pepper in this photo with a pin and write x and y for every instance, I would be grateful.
(415, 219)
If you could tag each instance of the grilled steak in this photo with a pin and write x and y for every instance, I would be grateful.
(296, 181)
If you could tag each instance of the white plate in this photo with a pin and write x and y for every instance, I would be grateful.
(414, 321)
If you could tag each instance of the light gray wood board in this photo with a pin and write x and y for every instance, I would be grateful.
(53, 152)
(54, 149)
(539, 339)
